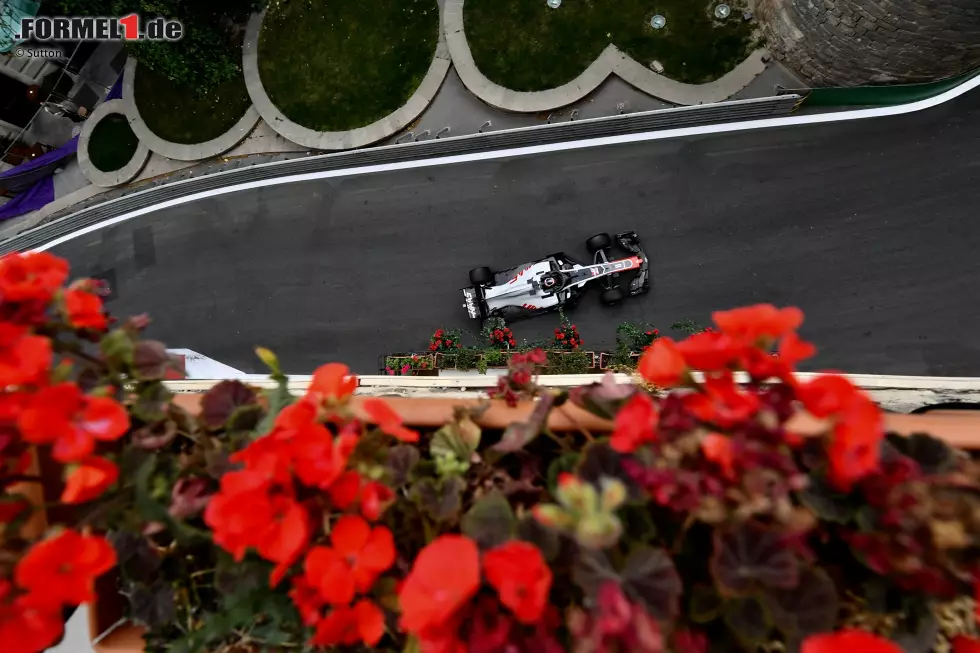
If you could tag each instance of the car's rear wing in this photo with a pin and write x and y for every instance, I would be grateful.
(472, 301)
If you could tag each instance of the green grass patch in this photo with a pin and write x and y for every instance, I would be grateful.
(185, 114)
(112, 144)
(334, 65)
(525, 45)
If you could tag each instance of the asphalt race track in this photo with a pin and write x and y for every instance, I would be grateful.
(871, 226)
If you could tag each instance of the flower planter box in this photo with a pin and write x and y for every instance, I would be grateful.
(606, 358)
(960, 429)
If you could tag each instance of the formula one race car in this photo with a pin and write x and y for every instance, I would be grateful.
(557, 281)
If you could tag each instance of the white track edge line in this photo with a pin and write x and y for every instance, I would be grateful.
(765, 123)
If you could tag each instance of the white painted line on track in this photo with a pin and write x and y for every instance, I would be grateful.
(765, 123)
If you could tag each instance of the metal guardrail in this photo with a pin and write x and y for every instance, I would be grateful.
(720, 112)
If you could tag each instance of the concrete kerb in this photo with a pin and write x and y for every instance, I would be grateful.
(339, 140)
(611, 61)
(182, 151)
(116, 177)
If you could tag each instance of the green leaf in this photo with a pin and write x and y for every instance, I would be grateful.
(917, 632)
(137, 561)
(825, 502)
(932, 454)
(490, 521)
(152, 605)
(599, 461)
(400, 463)
(547, 540)
(271, 361)
(566, 462)
(152, 511)
(650, 577)
(277, 398)
(748, 621)
(813, 606)
(117, 348)
(749, 556)
(592, 570)
(705, 604)
(638, 524)
(223, 400)
(459, 438)
(519, 434)
(603, 399)
(151, 402)
(440, 499)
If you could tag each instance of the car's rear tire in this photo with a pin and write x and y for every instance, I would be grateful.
(612, 296)
(481, 276)
(598, 242)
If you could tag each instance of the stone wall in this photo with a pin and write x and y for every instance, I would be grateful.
(855, 42)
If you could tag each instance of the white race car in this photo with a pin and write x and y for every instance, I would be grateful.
(558, 281)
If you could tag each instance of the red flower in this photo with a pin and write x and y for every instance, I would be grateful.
(332, 382)
(306, 597)
(662, 364)
(722, 403)
(522, 578)
(364, 622)
(358, 556)
(33, 276)
(250, 510)
(72, 421)
(636, 424)
(60, 570)
(84, 310)
(444, 577)
(854, 448)
(964, 644)
(710, 351)
(759, 323)
(718, 449)
(792, 349)
(24, 358)
(388, 420)
(847, 641)
(89, 479)
(26, 626)
(350, 489)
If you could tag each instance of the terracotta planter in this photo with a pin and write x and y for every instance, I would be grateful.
(959, 428)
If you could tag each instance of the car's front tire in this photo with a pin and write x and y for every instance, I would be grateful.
(481, 276)
(598, 242)
(612, 296)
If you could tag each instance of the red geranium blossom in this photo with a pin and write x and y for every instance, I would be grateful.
(89, 479)
(26, 626)
(363, 622)
(662, 363)
(32, 276)
(718, 449)
(710, 351)
(636, 424)
(24, 358)
(388, 420)
(854, 448)
(964, 644)
(847, 641)
(61, 569)
(444, 577)
(722, 403)
(758, 324)
(332, 382)
(84, 309)
(522, 578)
(250, 510)
(358, 555)
(61, 414)
(350, 490)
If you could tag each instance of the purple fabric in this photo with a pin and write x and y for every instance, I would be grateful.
(38, 195)
(116, 91)
(54, 156)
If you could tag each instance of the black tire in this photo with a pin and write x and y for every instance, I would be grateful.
(612, 296)
(597, 242)
(481, 276)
